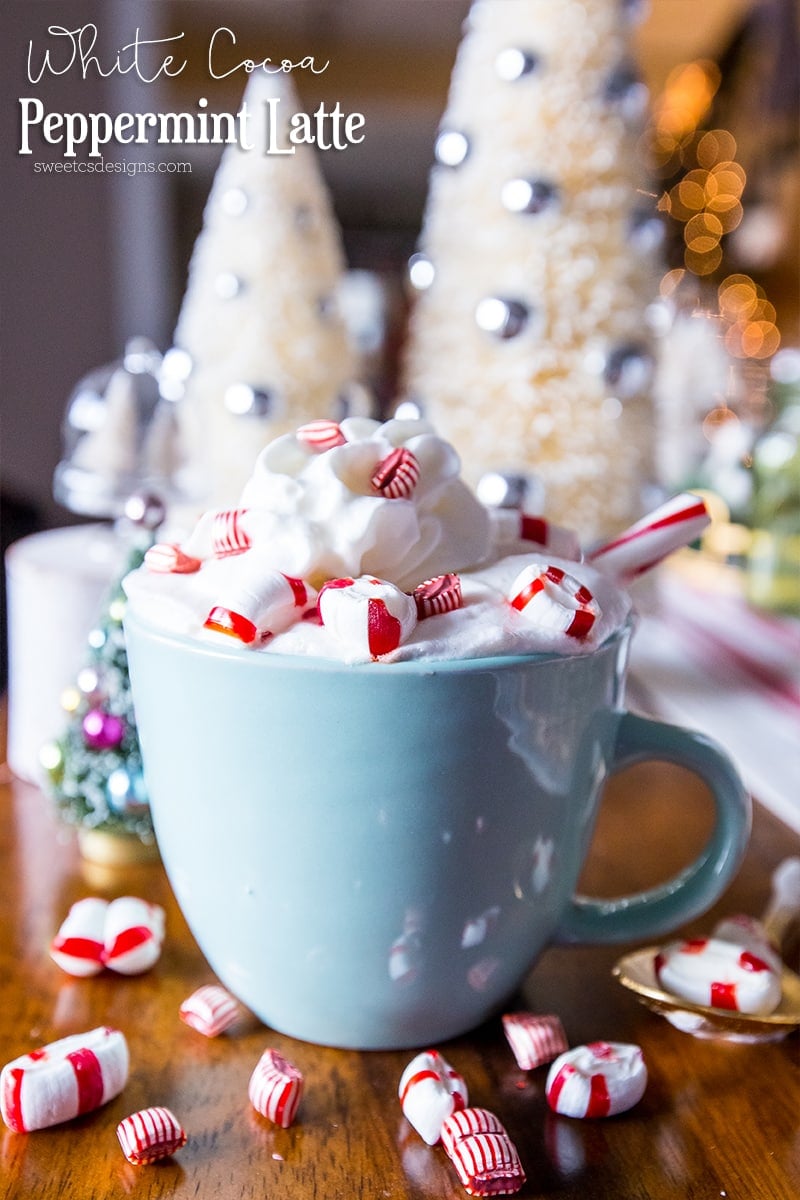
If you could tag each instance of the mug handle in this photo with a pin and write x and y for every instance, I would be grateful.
(693, 890)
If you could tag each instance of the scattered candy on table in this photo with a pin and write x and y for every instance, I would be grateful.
(275, 1088)
(720, 974)
(554, 600)
(466, 1121)
(79, 947)
(599, 1079)
(64, 1079)
(149, 1135)
(125, 935)
(488, 1165)
(534, 1039)
(134, 935)
(430, 1091)
(210, 1010)
(367, 615)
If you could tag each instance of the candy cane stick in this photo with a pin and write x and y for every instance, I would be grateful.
(643, 545)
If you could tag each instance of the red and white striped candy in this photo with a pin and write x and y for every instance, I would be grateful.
(79, 946)
(467, 1121)
(368, 617)
(720, 974)
(649, 541)
(228, 533)
(320, 435)
(430, 1091)
(252, 614)
(751, 934)
(488, 1164)
(553, 600)
(134, 934)
(275, 1088)
(210, 1010)
(166, 559)
(560, 541)
(596, 1080)
(396, 476)
(439, 595)
(534, 1039)
(149, 1135)
(63, 1080)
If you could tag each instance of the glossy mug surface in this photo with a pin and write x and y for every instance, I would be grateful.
(373, 856)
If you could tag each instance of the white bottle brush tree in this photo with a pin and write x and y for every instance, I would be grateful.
(260, 344)
(539, 255)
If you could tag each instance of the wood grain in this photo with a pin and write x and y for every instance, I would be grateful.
(716, 1119)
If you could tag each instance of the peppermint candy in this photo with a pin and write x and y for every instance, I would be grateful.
(719, 974)
(166, 559)
(275, 1088)
(554, 601)
(367, 616)
(210, 1010)
(251, 614)
(439, 595)
(467, 1121)
(63, 1080)
(149, 1135)
(228, 533)
(430, 1091)
(79, 947)
(482, 1153)
(319, 436)
(534, 1039)
(396, 476)
(599, 1079)
(649, 541)
(134, 934)
(125, 935)
(561, 542)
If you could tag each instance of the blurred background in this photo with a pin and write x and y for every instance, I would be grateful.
(90, 261)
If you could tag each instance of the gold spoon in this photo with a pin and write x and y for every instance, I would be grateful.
(636, 971)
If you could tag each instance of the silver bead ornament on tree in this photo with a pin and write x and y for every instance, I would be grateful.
(502, 317)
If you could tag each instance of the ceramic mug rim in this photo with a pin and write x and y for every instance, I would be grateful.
(414, 666)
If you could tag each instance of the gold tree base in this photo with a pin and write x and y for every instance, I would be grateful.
(110, 849)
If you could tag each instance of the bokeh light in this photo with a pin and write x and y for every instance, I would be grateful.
(707, 201)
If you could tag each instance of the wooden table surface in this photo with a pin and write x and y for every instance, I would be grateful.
(717, 1119)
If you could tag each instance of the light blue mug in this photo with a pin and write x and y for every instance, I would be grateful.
(373, 856)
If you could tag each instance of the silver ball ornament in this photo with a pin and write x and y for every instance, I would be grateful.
(528, 195)
(499, 489)
(234, 202)
(451, 148)
(228, 286)
(145, 510)
(513, 63)
(176, 367)
(628, 370)
(626, 91)
(245, 400)
(501, 317)
(421, 272)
